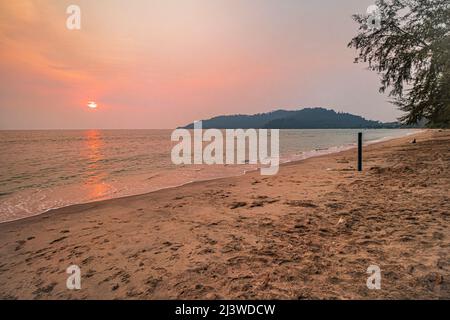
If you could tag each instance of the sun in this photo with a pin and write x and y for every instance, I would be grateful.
(92, 105)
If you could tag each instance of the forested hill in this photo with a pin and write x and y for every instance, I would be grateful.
(308, 118)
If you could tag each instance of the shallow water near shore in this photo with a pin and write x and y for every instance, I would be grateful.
(43, 170)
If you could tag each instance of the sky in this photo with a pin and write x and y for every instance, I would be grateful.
(164, 63)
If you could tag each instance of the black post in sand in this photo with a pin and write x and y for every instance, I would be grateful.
(359, 151)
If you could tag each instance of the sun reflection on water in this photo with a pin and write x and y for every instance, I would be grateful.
(97, 188)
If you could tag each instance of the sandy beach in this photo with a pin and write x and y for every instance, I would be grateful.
(309, 232)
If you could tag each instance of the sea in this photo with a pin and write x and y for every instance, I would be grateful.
(48, 169)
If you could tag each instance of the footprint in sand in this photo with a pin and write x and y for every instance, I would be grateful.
(58, 240)
(237, 204)
(301, 203)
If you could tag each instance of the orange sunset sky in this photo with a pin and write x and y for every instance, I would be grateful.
(165, 63)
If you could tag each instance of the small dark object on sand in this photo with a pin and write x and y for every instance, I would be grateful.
(414, 141)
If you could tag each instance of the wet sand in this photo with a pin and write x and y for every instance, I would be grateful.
(309, 232)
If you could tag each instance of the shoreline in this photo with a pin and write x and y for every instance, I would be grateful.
(288, 162)
(309, 232)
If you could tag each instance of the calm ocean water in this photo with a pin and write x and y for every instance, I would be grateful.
(41, 170)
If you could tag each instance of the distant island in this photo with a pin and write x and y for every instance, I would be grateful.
(308, 118)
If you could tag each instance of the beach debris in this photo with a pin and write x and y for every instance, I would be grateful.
(414, 141)
(341, 220)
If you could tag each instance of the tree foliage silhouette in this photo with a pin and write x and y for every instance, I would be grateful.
(410, 49)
